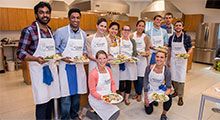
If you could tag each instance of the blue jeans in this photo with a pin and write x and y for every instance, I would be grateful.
(138, 85)
(70, 107)
(44, 111)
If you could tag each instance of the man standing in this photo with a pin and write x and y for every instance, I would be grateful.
(36, 43)
(168, 26)
(179, 43)
(158, 36)
(70, 42)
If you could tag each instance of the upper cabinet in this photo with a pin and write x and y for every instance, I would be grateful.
(192, 22)
(17, 19)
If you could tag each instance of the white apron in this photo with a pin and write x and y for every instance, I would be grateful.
(155, 80)
(172, 31)
(178, 65)
(114, 67)
(74, 47)
(104, 110)
(42, 92)
(141, 47)
(130, 72)
(98, 43)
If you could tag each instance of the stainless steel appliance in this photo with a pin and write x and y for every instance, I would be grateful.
(207, 42)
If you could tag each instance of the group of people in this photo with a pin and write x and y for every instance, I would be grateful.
(69, 80)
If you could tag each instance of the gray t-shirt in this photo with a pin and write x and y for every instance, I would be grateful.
(167, 76)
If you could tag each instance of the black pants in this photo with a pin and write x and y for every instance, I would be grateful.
(166, 106)
(125, 86)
(44, 111)
(138, 85)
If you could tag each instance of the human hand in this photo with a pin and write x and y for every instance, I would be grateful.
(66, 59)
(40, 60)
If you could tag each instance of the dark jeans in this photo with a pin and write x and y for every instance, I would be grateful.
(138, 85)
(44, 111)
(95, 116)
(125, 86)
(166, 106)
(69, 107)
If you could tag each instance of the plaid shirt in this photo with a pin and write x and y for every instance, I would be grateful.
(29, 40)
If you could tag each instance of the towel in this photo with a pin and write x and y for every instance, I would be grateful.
(71, 73)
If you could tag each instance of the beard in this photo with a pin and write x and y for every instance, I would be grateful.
(42, 21)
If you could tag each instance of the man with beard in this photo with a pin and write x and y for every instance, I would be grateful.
(70, 42)
(36, 43)
(179, 43)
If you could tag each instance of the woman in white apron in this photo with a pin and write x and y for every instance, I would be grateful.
(114, 50)
(72, 76)
(97, 42)
(157, 79)
(128, 71)
(142, 42)
(44, 77)
(101, 83)
(180, 43)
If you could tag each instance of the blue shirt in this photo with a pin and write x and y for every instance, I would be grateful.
(61, 37)
(156, 32)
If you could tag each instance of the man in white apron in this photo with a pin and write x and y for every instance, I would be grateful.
(168, 26)
(35, 44)
(70, 42)
(158, 36)
(178, 43)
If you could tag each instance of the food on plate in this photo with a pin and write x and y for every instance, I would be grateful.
(56, 57)
(161, 48)
(143, 53)
(112, 98)
(82, 59)
(159, 97)
(132, 59)
(183, 55)
(116, 61)
(122, 57)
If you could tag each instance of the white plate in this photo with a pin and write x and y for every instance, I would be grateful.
(158, 99)
(119, 99)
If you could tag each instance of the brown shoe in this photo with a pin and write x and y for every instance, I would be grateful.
(127, 102)
(138, 98)
(135, 97)
(180, 101)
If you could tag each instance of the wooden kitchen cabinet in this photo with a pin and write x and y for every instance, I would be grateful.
(191, 22)
(4, 19)
(190, 60)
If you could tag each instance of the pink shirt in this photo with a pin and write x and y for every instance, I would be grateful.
(93, 81)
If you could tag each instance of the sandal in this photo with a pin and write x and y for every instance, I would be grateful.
(127, 102)
(135, 97)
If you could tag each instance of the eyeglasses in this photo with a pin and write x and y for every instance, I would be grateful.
(126, 30)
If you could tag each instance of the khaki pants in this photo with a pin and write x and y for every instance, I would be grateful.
(178, 88)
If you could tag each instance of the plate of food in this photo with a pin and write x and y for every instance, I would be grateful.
(122, 57)
(81, 59)
(53, 57)
(143, 53)
(132, 59)
(112, 98)
(161, 48)
(116, 61)
(159, 97)
(183, 55)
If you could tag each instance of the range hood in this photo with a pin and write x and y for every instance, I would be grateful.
(114, 9)
(160, 7)
(59, 8)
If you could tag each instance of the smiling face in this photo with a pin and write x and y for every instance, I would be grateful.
(140, 27)
(75, 20)
(113, 30)
(157, 21)
(160, 58)
(43, 15)
(126, 31)
(102, 60)
(102, 27)
(178, 27)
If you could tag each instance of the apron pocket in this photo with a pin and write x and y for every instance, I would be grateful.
(47, 75)
(71, 74)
